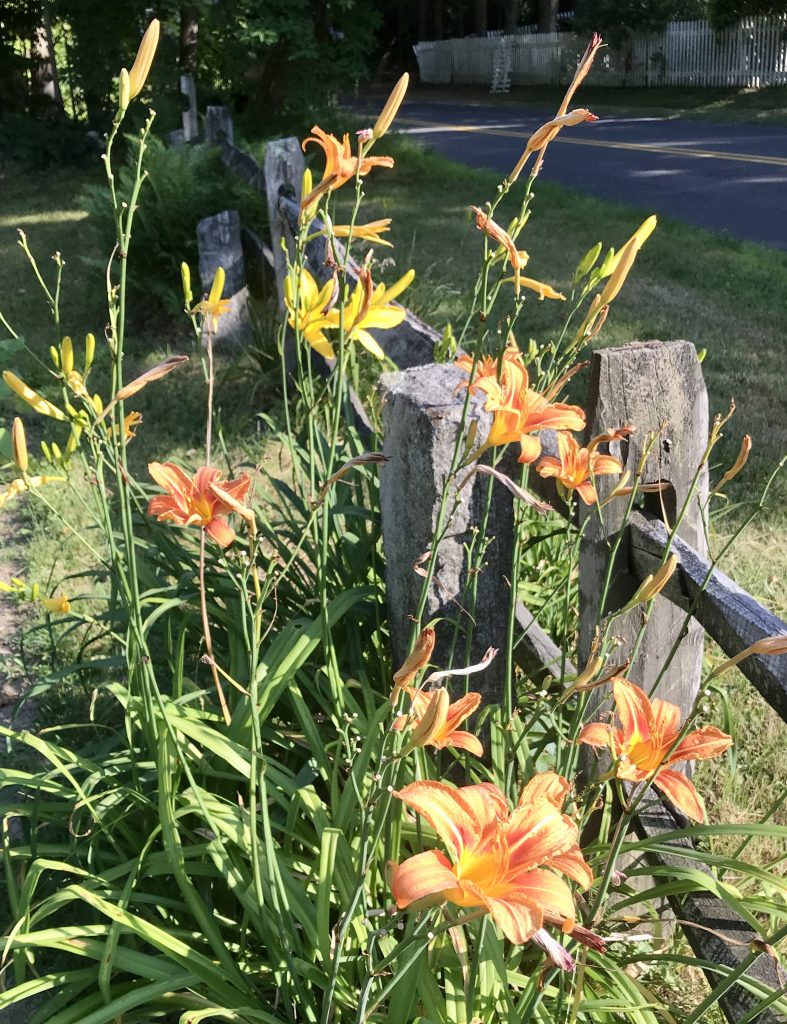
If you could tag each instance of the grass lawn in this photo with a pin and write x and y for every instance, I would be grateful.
(757, 106)
(728, 297)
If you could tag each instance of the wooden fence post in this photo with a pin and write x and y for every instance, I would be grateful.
(657, 387)
(421, 415)
(284, 168)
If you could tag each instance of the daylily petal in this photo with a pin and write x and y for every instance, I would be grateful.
(517, 917)
(530, 448)
(369, 343)
(587, 493)
(547, 891)
(681, 792)
(422, 876)
(454, 820)
(170, 477)
(463, 741)
(598, 734)
(220, 530)
(634, 710)
(701, 744)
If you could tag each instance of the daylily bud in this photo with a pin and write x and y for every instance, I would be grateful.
(98, 403)
(124, 90)
(141, 68)
(737, 466)
(90, 351)
(56, 451)
(185, 277)
(33, 399)
(625, 259)
(55, 356)
(769, 646)
(391, 108)
(19, 445)
(654, 584)
(35, 590)
(66, 356)
(46, 450)
(587, 261)
(217, 287)
(432, 722)
(73, 440)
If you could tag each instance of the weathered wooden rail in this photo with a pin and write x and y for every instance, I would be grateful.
(658, 387)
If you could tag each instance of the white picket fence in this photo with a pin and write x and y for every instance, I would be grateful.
(687, 53)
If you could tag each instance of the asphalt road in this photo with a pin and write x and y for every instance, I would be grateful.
(729, 178)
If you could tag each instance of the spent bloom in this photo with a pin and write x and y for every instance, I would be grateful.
(204, 500)
(575, 467)
(646, 744)
(435, 720)
(415, 661)
(508, 862)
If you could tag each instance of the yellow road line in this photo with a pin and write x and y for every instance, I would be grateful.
(643, 147)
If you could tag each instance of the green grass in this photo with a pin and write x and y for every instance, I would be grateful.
(731, 105)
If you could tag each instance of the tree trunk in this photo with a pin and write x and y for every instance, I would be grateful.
(45, 86)
(480, 17)
(510, 14)
(438, 19)
(189, 26)
(547, 15)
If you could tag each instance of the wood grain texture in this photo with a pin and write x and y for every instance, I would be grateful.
(657, 387)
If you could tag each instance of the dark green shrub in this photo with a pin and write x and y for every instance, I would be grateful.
(184, 185)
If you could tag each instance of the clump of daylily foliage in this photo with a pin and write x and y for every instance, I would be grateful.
(276, 823)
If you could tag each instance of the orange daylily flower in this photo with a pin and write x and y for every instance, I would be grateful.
(518, 410)
(513, 375)
(434, 720)
(340, 163)
(575, 467)
(642, 745)
(501, 860)
(198, 501)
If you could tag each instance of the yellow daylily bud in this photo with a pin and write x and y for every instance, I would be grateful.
(33, 399)
(307, 183)
(185, 278)
(90, 351)
(56, 451)
(217, 287)
(737, 466)
(73, 440)
(55, 356)
(654, 584)
(19, 445)
(391, 108)
(141, 67)
(35, 590)
(46, 450)
(57, 605)
(625, 259)
(124, 90)
(66, 356)
(98, 404)
(587, 262)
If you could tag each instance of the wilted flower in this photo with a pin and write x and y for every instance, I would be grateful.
(415, 661)
(57, 605)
